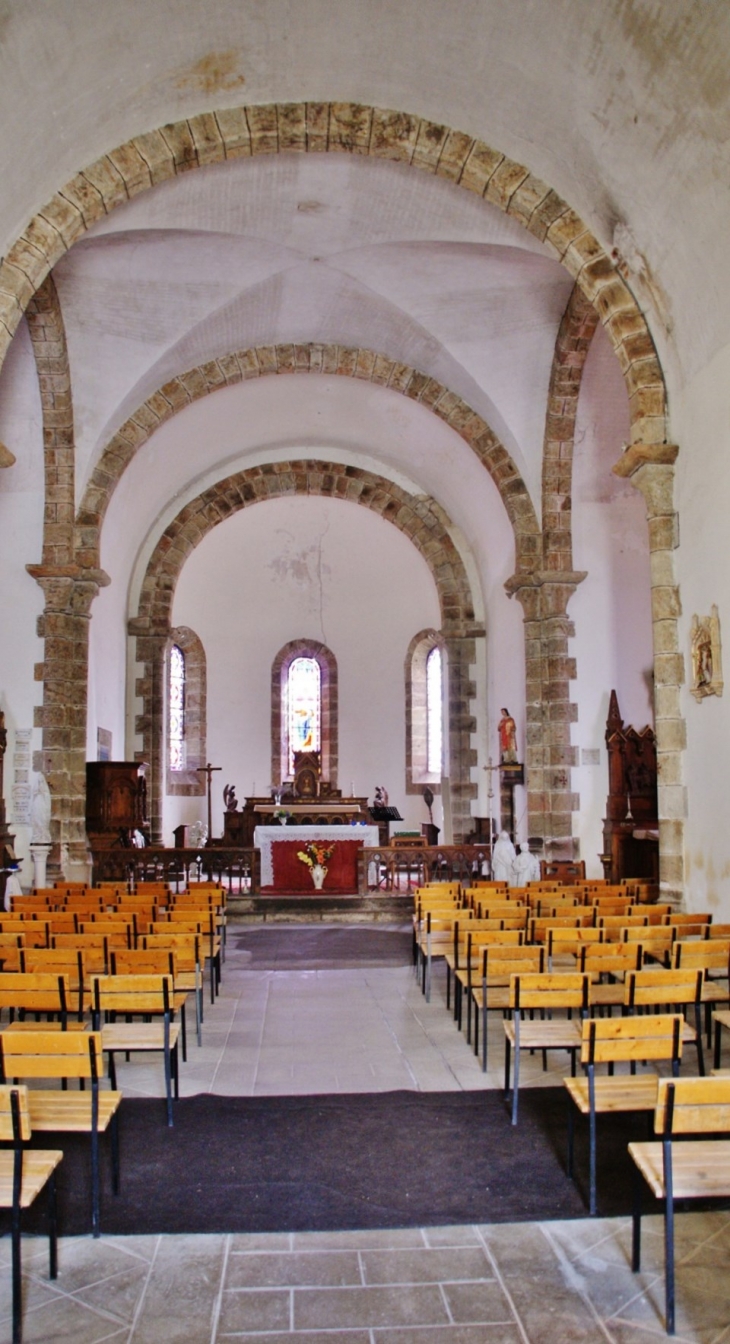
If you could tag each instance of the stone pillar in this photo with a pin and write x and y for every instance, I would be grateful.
(150, 687)
(69, 592)
(650, 467)
(461, 655)
(549, 754)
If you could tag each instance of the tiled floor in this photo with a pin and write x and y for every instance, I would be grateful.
(363, 1030)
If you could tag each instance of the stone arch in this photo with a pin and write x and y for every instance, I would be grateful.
(339, 127)
(308, 648)
(340, 361)
(418, 517)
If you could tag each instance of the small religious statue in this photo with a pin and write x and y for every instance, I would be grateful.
(503, 857)
(526, 867)
(40, 812)
(230, 800)
(507, 739)
(381, 796)
(706, 655)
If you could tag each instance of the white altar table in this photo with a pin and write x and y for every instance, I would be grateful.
(264, 837)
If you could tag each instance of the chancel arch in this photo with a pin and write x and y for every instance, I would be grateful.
(417, 517)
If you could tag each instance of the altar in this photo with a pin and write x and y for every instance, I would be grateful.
(283, 872)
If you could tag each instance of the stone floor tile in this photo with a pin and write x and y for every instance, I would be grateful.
(323, 1308)
(64, 1321)
(426, 1265)
(452, 1236)
(471, 1303)
(501, 1333)
(183, 1285)
(367, 1239)
(240, 1243)
(275, 1269)
(255, 1310)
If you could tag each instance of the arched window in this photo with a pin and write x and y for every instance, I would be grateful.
(176, 709)
(304, 708)
(434, 712)
(425, 672)
(185, 712)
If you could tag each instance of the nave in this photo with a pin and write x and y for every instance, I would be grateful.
(288, 1023)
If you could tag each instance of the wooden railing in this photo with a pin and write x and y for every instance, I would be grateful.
(402, 869)
(384, 869)
(237, 869)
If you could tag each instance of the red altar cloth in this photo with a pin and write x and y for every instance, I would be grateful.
(293, 876)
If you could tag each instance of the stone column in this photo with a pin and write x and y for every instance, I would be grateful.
(69, 592)
(461, 655)
(549, 754)
(150, 687)
(650, 467)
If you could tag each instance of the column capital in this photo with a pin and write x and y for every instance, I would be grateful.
(636, 455)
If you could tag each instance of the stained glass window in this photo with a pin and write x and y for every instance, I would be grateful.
(176, 709)
(303, 707)
(434, 712)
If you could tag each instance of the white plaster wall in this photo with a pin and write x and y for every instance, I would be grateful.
(305, 568)
(21, 541)
(612, 607)
(701, 422)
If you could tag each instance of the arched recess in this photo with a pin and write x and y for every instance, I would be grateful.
(417, 710)
(417, 516)
(330, 758)
(189, 782)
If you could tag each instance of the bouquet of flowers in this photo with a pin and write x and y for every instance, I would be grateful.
(316, 855)
(281, 815)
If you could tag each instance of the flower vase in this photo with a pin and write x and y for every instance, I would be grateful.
(319, 873)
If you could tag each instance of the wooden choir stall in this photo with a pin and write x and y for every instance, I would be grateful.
(631, 826)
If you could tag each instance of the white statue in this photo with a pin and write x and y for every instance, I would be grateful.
(526, 867)
(503, 856)
(40, 812)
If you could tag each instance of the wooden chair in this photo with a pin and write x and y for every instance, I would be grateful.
(656, 989)
(188, 963)
(67, 961)
(24, 1173)
(607, 964)
(544, 994)
(157, 960)
(689, 925)
(36, 932)
(614, 925)
(620, 1040)
(697, 1168)
(204, 923)
(712, 956)
(564, 946)
(64, 1055)
(466, 958)
(137, 995)
(10, 949)
(491, 993)
(657, 940)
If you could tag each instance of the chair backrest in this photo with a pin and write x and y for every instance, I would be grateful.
(647, 988)
(550, 990)
(36, 932)
(538, 929)
(131, 994)
(14, 1114)
(621, 921)
(37, 992)
(712, 954)
(504, 961)
(142, 961)
(693, 1106)
(51, 1054)
(186, 947)
(717, 931)
(562, 941)
(93, 948)
(610, 958)
(610, 1040)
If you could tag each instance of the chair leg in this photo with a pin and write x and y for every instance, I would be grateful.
(592, 1195)
(515, 1082)
(484, 1036)
(95, 1229)
(668, 1239)
(571, 1139)
(52, 1228)
(636, 1221)
(17, 1282)
(114, 1136)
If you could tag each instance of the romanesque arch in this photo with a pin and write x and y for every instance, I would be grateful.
(417, 517)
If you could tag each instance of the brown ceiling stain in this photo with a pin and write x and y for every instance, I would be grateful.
(215, 73)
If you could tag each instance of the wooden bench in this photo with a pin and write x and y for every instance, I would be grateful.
(491, 994)
(620, 1040)
(62, 1056)
(690, 1169)
(24, 1172)
(41, 992)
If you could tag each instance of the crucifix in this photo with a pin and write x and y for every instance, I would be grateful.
(208, 771)
(490, 797)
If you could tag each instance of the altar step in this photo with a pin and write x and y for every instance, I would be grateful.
(375, 908)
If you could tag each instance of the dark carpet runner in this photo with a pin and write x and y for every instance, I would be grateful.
(394, 1159)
